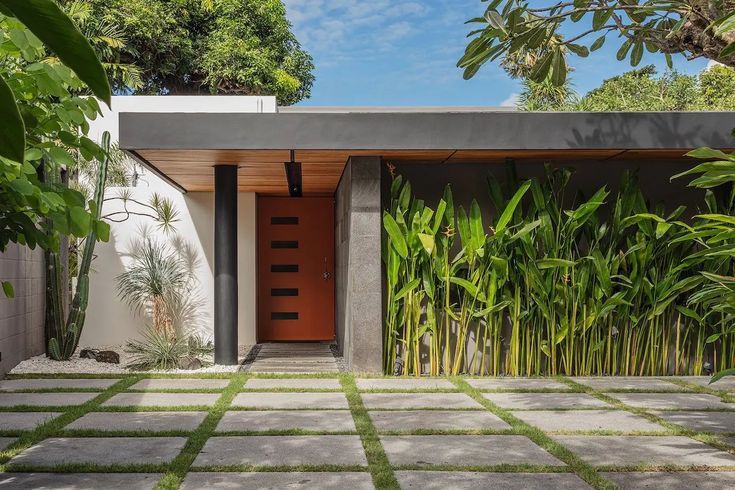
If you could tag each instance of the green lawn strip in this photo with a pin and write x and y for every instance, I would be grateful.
(90, 468)
(245, 468)
(574, 463)
(294, 375)
(180, 465)
(378, 464)
(672, 428)
(53, 427)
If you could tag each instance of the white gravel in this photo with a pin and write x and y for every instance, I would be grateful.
(76, 365)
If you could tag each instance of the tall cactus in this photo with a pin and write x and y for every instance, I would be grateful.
(65, 339)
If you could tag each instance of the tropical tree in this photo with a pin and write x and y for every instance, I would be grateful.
(694, 28)
(193, 46)
(642, 89)
(44, 125)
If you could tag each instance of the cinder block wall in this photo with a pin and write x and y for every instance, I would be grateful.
(22, 317)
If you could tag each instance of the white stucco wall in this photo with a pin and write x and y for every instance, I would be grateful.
(109, 320)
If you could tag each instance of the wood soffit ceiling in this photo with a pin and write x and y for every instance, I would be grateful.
(262, 171)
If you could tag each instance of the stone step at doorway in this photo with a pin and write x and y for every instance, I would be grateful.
(293, 358)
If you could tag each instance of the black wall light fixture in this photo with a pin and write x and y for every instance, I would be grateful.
(293, 176)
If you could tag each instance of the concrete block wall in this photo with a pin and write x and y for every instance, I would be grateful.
(357, 236)
(22, 317)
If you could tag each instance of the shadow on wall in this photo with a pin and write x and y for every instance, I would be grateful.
(109, 320)
(613, 131)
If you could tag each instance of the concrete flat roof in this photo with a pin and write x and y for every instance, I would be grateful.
(399, 130)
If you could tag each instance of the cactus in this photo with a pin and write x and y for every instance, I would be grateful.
(64, 337)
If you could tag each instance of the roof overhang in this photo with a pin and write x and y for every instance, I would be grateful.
(185, 147)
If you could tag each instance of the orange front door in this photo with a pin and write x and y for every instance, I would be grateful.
(295, 269)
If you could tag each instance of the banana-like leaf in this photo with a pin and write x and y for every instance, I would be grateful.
(722, 374)
(57, 31)
(427, 241)
(407, 288)
(12, 128)
(510, 208)
(398, 241)
(552, 263)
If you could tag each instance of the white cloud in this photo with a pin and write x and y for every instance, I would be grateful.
(511, 101)
(334, 27)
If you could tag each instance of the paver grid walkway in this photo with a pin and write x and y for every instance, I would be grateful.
(330, 430)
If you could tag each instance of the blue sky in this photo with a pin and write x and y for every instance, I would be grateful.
(404, 52)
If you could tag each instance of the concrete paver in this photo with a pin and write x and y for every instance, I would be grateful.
(282, 450)
(672, 480)
(313, 420)
(418, 400)
(672, 401)
(56, 383)
(465, 450)
(441, 480)
(180, 384)
(516, 384)
(152, 399)
(103, 451)
(24, 420)
(412, 420)
(404, 384)
(587, 420)
(45, 399)
(700, 421)
(294, 383)
(139, 421)
(79, 481)
(271, 480)
(542, 401)
(286, 401)
(637, 450)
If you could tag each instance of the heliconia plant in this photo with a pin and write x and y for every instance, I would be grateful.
(554, 283)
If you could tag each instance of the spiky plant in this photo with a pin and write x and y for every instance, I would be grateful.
(155, 280)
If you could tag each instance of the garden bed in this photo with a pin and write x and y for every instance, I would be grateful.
(76, 365)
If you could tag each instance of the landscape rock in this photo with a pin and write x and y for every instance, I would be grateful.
(189, 363)
(108, 356)
(89, 353)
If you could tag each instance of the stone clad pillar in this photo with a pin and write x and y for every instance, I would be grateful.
(359, 285)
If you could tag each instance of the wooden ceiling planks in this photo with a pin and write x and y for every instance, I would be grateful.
(262, 171)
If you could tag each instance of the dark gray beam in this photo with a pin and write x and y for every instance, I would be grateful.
(427, 131)
(225, 264)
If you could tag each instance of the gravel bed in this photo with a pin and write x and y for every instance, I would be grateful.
(76, 365)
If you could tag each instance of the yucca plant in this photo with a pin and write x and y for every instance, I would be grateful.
(153, 283)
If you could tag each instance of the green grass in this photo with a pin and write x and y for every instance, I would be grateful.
(378, 464)
(575, 464)
(180, 465)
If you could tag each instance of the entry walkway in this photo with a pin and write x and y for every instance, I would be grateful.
(282, 357)
(333, 431)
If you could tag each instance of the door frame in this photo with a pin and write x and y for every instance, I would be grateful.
(258, 272)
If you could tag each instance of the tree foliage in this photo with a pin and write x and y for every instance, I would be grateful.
(694, 28)
(638, 90)
(35, 207)
(225, 47)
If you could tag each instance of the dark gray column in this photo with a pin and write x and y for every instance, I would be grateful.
(225, 264)
(359, 296)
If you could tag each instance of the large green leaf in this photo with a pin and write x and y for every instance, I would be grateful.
(12, 129)
(722, 374)
(56, 30)
(510, 208)
(398, 241)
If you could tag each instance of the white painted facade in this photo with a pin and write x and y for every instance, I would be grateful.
(109, 320)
